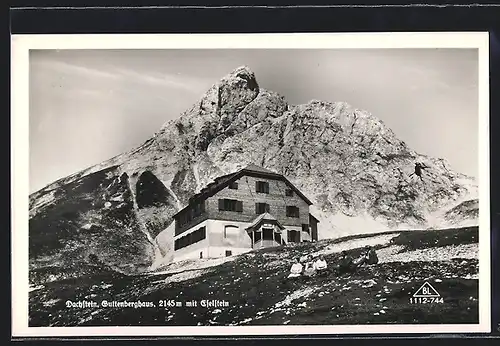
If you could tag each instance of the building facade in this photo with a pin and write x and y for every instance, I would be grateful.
(249, 209)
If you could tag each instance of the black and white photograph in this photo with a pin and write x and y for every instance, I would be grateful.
(234, 184)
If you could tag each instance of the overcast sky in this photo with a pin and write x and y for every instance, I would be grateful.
(87, 106)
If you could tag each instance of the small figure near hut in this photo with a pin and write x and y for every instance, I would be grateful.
(368, 257)
(309, 269)
(371, 256)
(321, 266)
(296, 269)
(346, 263)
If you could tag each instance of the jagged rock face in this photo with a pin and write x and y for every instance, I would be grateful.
(347, 161)
(344, 159)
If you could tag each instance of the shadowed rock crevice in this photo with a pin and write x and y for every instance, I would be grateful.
(150, 191)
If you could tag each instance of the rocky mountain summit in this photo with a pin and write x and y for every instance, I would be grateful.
(116, 215)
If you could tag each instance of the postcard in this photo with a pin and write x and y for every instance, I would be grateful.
(254, 184)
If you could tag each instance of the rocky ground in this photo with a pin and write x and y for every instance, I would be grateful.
(255, 288)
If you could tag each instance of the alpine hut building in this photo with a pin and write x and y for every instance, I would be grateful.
(249, 209)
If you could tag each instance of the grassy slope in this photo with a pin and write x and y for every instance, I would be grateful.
(254, 285)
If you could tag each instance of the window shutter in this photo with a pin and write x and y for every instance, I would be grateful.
(257, 186)
(239, 206)
(256, 208)
(221, 204)
(266, 187)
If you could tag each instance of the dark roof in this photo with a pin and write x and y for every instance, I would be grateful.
(221, 182)
(253, 168)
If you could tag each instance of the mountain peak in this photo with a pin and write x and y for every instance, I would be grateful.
(241, 76)
(243, 69)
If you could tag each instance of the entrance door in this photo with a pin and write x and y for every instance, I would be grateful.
(293, 236)
(267, 234)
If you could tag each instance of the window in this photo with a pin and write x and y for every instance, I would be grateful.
(230, 205)
(289, 192)
(293, 236)
(292, 211)
(305, 228)
(267, 234)
(262, 186)
(198, 235)
(233, 185)
(230, 229)
(190, 238)
(228, 253)
(198, 209)
(261, 208)
(182, 219)
(277, 237)
(192, 212)
(201, 254)
(258, 236)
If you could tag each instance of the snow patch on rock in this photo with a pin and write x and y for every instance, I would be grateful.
(302, 293)
(356, 243)
(186, 275)
(187, 265)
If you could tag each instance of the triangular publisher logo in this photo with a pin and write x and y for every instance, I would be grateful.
(426, 290)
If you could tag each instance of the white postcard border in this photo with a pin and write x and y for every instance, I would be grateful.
(20, 46)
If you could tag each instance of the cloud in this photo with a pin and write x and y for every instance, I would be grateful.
(108, 73)
(174, 81)
(63, 68)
